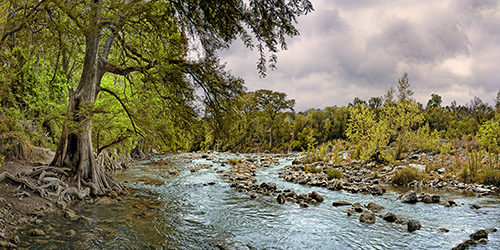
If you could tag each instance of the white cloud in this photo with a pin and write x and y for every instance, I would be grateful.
(353, 49)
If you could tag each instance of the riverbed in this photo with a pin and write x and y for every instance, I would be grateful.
(200, 210)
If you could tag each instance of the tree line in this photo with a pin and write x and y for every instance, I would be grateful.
(107, 77)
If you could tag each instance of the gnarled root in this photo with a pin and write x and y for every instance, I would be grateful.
(107, 162)
(68, 193)
(22, 181)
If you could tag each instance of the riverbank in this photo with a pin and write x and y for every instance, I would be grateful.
(28, 194)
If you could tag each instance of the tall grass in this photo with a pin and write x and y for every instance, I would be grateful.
(407, 175)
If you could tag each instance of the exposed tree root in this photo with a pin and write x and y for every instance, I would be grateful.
(107, 162)
(22, 181)
(49, 184)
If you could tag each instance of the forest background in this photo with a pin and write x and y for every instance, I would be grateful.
(163, 110)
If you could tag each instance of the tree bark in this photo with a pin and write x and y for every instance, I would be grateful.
(74, 149)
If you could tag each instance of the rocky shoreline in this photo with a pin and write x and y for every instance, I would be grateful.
(357, 178)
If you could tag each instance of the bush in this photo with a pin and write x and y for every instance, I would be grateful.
(469, 173)
(407, 175)
(333, 174)
(312, 169)
(490, 177)
(233, 162)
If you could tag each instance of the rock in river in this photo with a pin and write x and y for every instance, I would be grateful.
(367, 216)
(408, 197)
(479, 235)
(316, 196)
(341, 203)
(374, 207)
(390, 217)
(413, 225)
(36, 232)
(281, 199)
(376, 190)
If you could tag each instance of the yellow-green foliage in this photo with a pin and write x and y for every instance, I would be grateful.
(234, 162)
(373, 131)
(489, 136)
(1, 160)
(490, 176)
(337, 148)
(407, 175)
(332, 173)
(314, 155)
(312, 169)
(469, 172)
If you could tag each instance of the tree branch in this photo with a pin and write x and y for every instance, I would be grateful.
(124, 107)
(118, 140)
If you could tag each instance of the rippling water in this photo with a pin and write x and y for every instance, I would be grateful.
(200, 211)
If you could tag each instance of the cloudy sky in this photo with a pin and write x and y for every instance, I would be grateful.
(360, 48)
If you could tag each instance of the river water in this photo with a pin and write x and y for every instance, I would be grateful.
(200, 211)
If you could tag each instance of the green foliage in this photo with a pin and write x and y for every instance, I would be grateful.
(469, 172)
(1, 160)
(490, 176)
(407, 175)
(489, 136)
(234, 162)
(314, 155)
(332, 173)
(312, 169)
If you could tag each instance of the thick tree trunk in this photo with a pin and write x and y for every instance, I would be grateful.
(74, 149)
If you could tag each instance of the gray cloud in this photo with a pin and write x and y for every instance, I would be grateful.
(353, 49)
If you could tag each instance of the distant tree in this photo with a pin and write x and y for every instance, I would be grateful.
(357, 101)
(389, 96)
(404, 91)
(375, 102)
(434, 102)
(497, 102)
(271, 103)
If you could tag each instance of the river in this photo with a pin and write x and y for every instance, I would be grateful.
(199, 210)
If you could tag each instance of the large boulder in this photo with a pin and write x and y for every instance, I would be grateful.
(367, 216)
(408, 197)
(413, 225)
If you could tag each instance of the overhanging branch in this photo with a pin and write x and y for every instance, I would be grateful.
(124, 107)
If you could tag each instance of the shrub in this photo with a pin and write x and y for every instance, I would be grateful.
(333, 174)
(490, 177)
(312, 169)
(469, 173)
(314, 155)
(406, 175)
(233, 162)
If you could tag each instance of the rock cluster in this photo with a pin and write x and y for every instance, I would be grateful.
(356, 181)
(412, 197)
(480, 236)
